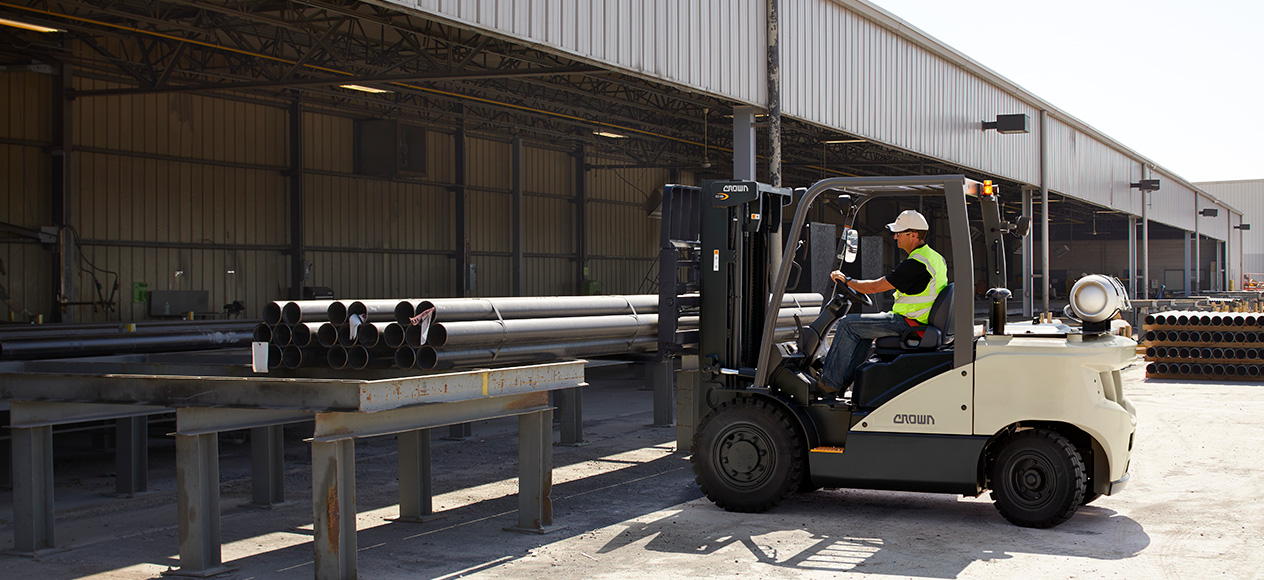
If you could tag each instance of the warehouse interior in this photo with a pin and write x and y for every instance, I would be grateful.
(213, 148)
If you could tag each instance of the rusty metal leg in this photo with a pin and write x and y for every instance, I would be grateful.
(334, 509)
(32, 489)
(535, 473)
(460, 432)
(415, 477)
(267, 466)
(570, 406)
(197, 501)
(131, 455)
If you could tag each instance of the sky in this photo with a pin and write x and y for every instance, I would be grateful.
(1179, 82)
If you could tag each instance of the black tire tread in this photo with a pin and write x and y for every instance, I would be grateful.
(796, 456)
(1078, 475)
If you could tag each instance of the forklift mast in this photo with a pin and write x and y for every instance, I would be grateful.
(738, 218)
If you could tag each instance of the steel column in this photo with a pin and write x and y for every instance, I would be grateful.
(298, 254)
(1029, 305)
(535, 473)
(267, 465)
(1145, 242)
(1189, 291)
(197, 501)
(518, 242)
(461, 253)
(64, 262)
(744, 143)
(131, 455)
(334, 508)
(32, 489)
(663, 378)
(1044, 218)
(416, 491)
(581, 216)
(460, 431)
(1132, 257)
(570, 407)
(1198, 245)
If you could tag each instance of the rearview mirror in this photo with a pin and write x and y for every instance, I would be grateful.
(1021, 227)
(851, 245)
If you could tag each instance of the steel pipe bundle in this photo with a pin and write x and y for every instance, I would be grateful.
(479, 331)
(1193, 345)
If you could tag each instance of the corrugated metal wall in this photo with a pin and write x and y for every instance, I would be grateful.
(186, 192)
(716, 46)
(1248, 196)
(26, 99)
(842, 70)
(1086, 168)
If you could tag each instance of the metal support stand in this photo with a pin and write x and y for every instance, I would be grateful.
(570, 407)
(197, 501)
(267, 466)
(6, 461)
(460, 432)
(663, 377)
(535, 473)
(131, 455)
(416, 492)
(32, 490)
(334, 508)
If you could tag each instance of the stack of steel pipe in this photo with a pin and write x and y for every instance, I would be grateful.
(49, 341)
(470, 332)
(1205, 345)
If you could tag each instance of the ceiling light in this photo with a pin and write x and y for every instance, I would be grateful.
(28, 26)
(364, 89)
(842, 141)
(609, 134)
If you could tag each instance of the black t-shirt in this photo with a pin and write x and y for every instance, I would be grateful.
(909, 276)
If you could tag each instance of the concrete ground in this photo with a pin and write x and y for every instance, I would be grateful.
(629, 507)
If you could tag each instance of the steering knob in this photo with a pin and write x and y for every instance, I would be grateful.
(999, 294)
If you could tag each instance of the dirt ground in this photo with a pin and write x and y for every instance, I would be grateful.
(627, 506)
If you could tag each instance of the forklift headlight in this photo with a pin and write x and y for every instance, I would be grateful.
(1096, 298)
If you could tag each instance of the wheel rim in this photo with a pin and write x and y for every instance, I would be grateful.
(744, 456)
(1032, 480)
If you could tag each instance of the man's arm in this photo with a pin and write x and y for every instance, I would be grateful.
(863, 286)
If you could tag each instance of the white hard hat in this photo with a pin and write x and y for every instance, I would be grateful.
(909, 219)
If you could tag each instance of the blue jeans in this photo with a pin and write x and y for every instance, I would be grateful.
(853, 335)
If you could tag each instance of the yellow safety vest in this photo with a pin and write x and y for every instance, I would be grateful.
(917, 306)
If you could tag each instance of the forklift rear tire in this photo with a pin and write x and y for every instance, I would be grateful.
(748, 455)
(1038, 479)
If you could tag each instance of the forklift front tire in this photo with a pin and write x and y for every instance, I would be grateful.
(748, 455)
(1038, 479)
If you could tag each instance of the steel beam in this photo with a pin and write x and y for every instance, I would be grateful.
(298, 254)
(32, 489)
(197, 501)
(336, 425)
(535, 473)
(334, 508)
(416, 491)
(131, 455)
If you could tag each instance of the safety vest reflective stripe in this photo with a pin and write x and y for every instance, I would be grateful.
(917, 306)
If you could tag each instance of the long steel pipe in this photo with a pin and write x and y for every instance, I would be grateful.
(370, 334)
(125, 343)
(377, 310)
(304, 311)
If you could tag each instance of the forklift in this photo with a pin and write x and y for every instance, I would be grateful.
(1036, 415)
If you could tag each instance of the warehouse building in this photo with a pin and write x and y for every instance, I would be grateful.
(220, 155)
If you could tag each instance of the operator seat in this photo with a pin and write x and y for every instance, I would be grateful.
(921, 338)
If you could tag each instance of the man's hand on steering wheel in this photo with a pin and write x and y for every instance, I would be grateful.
(845, 290)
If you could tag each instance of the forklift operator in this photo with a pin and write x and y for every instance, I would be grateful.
(917, 281)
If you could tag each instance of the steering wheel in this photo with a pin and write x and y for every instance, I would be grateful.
(849, 293)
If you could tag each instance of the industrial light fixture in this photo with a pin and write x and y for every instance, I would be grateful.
(609, 135)
(844, 141)
(365, 89)
(1008, 124)
(28, 26)
(1243, 227)
(1209, 212)
(1146, 185)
